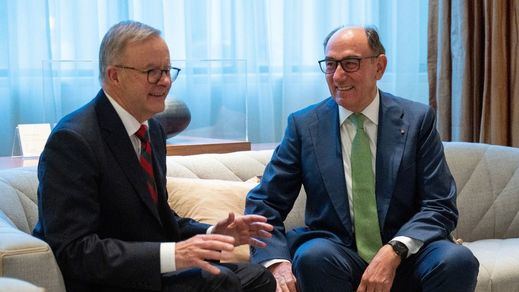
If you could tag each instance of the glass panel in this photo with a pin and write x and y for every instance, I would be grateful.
(214, 91)
(67, 85)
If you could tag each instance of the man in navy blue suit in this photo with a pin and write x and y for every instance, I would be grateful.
(358, 151)
(102, 196)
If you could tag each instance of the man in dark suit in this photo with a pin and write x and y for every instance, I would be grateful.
(380, 197)
(102, 196)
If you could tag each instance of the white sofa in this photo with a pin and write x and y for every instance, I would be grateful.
(488, 185)
(10, 284)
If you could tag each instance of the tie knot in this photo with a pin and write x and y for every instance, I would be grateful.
(142, 134)
(358, 120)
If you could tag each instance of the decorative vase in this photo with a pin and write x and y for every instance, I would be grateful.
(175, 118)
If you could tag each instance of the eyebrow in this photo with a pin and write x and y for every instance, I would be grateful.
(154, 66)
(347, 57)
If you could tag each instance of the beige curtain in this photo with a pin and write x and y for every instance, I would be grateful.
(473, 69)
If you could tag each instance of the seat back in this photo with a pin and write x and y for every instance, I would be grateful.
(18, 197)
(487, 178)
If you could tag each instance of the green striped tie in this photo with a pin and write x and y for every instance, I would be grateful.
(367, 230)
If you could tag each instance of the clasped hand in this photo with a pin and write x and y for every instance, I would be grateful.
(228, 233)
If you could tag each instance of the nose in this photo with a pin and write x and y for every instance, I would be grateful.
(339, 73)
(165, 79)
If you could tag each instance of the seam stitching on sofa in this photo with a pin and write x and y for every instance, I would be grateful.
(472, 173)
(505, 188)
(497, 194)
(21, 251)
(511, 223)
(186, 168)
(491, 207)
(20, 193)
(221, 163)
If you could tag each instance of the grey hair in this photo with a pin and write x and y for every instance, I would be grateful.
(117, 38)
(371, 33)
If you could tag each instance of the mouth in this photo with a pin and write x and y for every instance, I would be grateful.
(344, 88)
(158, 94)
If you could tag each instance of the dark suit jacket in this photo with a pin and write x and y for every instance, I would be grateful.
(414, 188)
(94, 208)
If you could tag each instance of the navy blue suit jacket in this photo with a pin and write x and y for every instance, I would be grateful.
(94, 207)
(415, 191)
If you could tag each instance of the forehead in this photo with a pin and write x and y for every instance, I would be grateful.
(348, 42)
(150, 52)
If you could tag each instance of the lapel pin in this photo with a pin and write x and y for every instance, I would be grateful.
(402, 131)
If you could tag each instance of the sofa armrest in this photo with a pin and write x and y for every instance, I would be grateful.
(28, 258)
(10, 284)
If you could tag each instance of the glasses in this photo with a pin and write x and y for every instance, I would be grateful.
(349, 64)
(154, 75)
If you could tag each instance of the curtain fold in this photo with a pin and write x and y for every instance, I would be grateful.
(472, 66)
(439, 64)
(514, 74)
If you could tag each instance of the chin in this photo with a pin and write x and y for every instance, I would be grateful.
(160, 109)
(157, 107)
(347, 103)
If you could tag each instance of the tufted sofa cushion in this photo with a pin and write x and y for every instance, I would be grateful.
(23, 256)
(229, 166)
(239, 166)
(18, 197)
(487, 177)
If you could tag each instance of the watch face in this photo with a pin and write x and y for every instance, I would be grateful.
(399, 248)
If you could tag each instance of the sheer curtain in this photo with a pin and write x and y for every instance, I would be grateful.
(281, 42)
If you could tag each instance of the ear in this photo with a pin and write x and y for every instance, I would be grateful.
(381, 66)
(112, 74)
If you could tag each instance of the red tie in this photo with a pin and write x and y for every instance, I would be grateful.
(145, 160)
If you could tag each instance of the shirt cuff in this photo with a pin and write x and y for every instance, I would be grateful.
(209, 230)
(167, 257)
(413, 245)
(269, 263)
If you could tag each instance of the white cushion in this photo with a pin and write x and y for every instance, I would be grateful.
(499, 264)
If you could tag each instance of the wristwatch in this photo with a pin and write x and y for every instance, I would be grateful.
(399, 248)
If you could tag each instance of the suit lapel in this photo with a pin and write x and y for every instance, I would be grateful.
(329, 158)
(392, 134)
(115, 136)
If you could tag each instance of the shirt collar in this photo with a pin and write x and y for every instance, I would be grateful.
(129, 122)
(371, 111)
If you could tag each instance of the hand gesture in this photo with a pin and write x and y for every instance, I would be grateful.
(285, 279)
(380, 273)
(195, 251)
(245, 229)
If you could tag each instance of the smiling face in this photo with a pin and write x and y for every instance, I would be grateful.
(354, 90)
(131, 88)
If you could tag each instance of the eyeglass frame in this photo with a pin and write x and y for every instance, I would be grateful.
(357, 59)
(173, 77)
